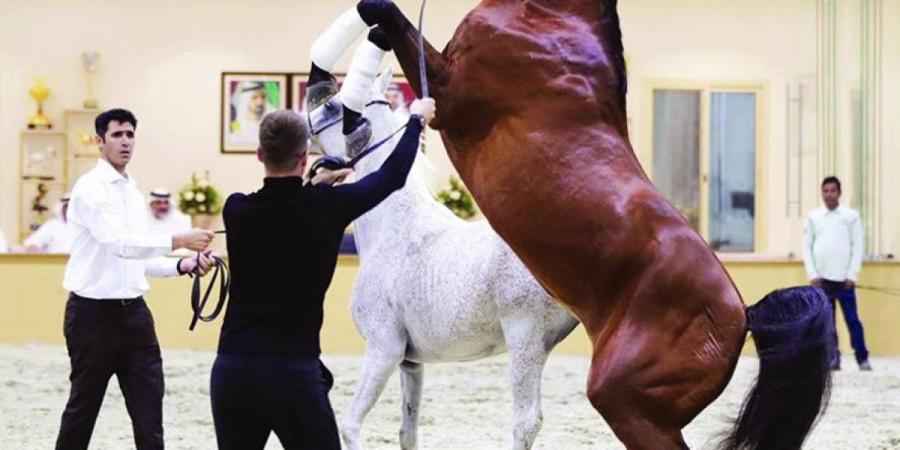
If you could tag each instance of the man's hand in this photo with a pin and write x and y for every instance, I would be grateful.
(849, 284)
(424, 107)
(331, 177)
(200, 264)
(197, 240)
(817, 282)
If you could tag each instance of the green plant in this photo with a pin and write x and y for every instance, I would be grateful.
(199, 197)
(458, 199)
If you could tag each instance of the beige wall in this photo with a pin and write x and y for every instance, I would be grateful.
(32, 299)
(163, 59)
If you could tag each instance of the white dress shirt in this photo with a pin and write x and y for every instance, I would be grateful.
(833, 244)
(54, 236)
(112, 251)
(172, 223)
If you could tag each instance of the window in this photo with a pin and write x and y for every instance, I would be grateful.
(704, 161)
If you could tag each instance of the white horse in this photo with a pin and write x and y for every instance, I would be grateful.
(435, 288)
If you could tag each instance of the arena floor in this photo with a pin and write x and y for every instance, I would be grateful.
(466, 406)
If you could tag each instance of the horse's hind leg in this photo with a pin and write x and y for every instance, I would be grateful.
(378, 365)
(411, 377)
(636, 415)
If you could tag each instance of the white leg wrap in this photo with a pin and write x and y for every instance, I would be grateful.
(357, 87)
(332, 44)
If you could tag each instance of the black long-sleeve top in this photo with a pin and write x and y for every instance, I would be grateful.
(283, 243)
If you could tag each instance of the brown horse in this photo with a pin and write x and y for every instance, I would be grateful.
(531, 107)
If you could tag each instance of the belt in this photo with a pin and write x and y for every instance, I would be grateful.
(109, 301)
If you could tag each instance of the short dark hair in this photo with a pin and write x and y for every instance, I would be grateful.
(832, 180)
(283, 136)
(101, 123)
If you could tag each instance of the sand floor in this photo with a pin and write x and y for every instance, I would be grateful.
(465, 406)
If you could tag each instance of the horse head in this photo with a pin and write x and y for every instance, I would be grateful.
(325, 124)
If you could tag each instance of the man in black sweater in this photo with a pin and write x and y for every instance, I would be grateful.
(283, 243)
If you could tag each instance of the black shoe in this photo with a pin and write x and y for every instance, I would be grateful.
(864, 366)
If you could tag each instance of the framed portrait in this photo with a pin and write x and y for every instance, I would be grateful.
(246, 99)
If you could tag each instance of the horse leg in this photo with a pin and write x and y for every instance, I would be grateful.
(639, 418)
(404, 39)
(411, 378)
(378, 365)
(325, 52)
(527, 352)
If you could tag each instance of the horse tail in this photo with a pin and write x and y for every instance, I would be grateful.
(793, 330)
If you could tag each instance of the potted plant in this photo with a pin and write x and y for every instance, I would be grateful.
(200, 200)
(458, 199)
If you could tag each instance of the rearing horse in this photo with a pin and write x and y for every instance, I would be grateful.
(531, 107)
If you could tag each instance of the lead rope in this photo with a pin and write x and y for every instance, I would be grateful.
(198, 303)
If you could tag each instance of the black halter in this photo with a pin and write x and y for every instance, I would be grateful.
(198, 304)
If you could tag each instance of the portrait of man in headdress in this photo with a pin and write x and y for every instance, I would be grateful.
(247, 99)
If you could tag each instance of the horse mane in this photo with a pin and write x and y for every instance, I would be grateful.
(612, 35)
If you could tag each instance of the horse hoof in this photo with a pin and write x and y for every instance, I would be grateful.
(375, 12)
(379, 37)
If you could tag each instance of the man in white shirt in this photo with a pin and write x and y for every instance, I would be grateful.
(163, 218)
(832, 254)
(55, 235)
(108, 328)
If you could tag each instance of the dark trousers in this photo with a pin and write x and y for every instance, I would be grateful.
(253, 396)
(105, 338)
(847, 298)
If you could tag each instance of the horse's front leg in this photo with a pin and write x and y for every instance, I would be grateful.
(404, 38)
(528, 355)
(378, 365)
(411, 379)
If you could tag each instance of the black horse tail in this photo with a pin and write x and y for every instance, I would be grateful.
(793, 330)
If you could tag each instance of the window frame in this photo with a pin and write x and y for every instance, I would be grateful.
(706, 88)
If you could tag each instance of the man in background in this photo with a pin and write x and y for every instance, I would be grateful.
(397, 100)
(164, 219)
(832, 254)
(55, 235)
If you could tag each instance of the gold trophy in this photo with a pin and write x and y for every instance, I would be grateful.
(89, 61)
(39, 92)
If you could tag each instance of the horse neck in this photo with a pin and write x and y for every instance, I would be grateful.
(398, 213)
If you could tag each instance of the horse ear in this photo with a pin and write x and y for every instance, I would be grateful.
(383, 82)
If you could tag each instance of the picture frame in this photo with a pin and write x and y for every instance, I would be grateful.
(246, 98)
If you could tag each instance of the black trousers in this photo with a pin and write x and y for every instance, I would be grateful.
(106, 338)
(253, 396)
